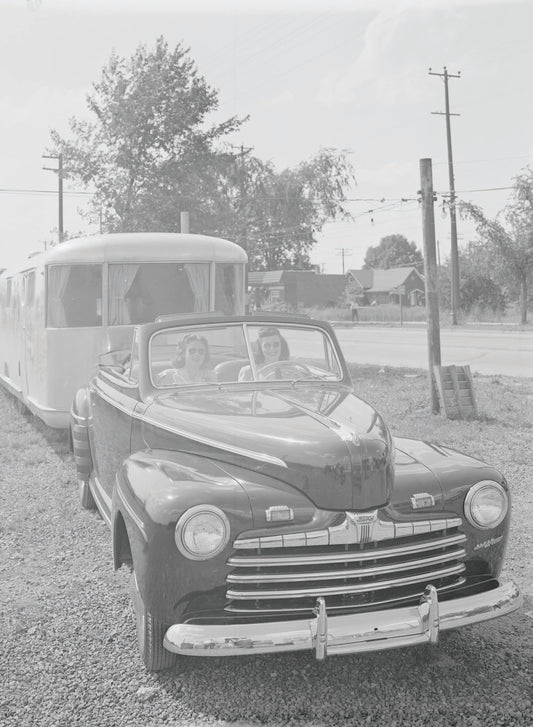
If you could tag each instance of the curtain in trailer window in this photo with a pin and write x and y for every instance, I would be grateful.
(58, 277)
(121, 278)
(198, 277)
(229, 288)
(74, 296)
(139, 293)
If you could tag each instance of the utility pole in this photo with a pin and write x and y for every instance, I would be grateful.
(453, 219)
(242, 188)
(344, 252)
(59, 171)
(243, 226)
(431, 275)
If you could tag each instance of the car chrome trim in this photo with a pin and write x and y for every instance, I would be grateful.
(102, 499)
(321, 634)
(421, 500)
(379, 600)
(80, 418)
(251, 454)
(110, 400)
(349, 532)
(345, 557)
(345, 573)
(345, 588)
(354, 633)
(472, 492)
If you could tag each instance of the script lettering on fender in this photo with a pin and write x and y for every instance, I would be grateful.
(488, 543)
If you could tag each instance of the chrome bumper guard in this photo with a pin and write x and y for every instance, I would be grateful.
(355, 633)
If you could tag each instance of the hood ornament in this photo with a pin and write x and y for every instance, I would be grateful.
(364, 524)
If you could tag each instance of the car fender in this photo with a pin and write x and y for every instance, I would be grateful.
(152, 490)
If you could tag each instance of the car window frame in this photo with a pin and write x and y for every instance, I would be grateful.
(245, 325)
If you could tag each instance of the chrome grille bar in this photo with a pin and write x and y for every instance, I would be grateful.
(378, 599)
(345, 588)
(349, 532)
(365, 572)
(261, 561)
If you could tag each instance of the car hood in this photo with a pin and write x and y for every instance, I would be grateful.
(324, 441)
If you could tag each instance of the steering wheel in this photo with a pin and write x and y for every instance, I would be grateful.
(283, 370)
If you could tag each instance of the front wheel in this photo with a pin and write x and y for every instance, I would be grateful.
(150, 634)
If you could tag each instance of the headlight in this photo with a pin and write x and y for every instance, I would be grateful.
(486, 504)
(202, 532)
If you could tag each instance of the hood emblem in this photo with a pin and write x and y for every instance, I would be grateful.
(362, 523)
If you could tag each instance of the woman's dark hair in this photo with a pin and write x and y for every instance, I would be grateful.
(179, 361)
(266, 332)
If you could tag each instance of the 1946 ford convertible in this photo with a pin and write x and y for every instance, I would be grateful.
(262, 506)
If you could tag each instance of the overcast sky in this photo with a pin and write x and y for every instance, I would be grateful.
(351, 75)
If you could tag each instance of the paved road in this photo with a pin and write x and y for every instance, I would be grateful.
(509, 353)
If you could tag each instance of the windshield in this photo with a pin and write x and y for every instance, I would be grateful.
(240, 353)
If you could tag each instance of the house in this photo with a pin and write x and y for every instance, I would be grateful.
(376, 287)
(295, 287)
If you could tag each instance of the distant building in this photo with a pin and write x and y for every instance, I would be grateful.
(294, 287)
(376, 287)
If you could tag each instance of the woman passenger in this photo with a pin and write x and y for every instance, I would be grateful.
(191, 365)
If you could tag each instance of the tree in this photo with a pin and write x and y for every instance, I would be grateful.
(480, 284)
(150, 152)
(281, 213)
(510, 243)
(393, 251)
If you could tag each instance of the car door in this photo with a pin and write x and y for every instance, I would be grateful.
(113, 399)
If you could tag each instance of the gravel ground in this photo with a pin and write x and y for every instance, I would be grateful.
(68, 649)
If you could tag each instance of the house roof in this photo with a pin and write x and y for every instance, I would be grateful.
(364, 277)
(379, 281)
(265, 277)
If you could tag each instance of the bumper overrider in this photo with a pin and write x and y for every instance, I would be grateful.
(355, 633)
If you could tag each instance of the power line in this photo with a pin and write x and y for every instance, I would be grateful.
(8, 190)
(465, 191)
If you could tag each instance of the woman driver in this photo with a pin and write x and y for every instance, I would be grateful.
(271, 347)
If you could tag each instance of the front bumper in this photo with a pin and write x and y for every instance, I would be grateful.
(355, 633)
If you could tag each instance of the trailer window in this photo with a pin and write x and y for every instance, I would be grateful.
(74, 296)
(30, 288)
(139, 292)
(229, 288)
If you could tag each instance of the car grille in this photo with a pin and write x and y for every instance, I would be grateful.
(355, 566)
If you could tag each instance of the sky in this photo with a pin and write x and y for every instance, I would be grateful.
(309, 74)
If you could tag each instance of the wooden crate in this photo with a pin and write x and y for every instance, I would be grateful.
(456, 391)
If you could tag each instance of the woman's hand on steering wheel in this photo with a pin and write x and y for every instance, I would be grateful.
(283, 370)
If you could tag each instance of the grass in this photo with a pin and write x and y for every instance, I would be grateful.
(376, 313)
(416, 314)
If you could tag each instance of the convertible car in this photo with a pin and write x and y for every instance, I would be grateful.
(263, 506)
